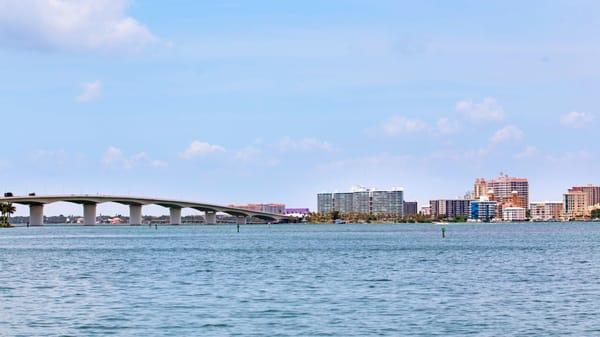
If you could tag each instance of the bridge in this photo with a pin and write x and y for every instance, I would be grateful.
(89, 203)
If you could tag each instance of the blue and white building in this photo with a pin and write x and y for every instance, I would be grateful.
(483, 210)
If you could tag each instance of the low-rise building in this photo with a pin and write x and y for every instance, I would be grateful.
(514, 214)
(546, 210)
(265, 208)
(297, 212)
(450, 208)
(483, 210)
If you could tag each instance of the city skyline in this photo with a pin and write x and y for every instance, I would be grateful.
(273, 103)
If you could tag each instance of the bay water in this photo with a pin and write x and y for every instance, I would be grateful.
(529, 279)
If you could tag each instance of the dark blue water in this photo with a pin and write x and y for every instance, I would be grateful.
(301, 280)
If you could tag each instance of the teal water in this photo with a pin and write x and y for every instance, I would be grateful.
(301, 280)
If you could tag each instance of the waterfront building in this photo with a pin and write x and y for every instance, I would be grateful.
(425, 210)
(297, 212)
(380, 202)
(449, 208)
(396, 202)
(514, 214)
(325, 203)
(480, 188)
(343, 202)
(364, 201)
(483, 210)
(410, 208)
(592, 193)
(265, 208)
(546, 210)
(510, 190)
(505, 190)
(361, 202)
(575, 205)
(437, 208)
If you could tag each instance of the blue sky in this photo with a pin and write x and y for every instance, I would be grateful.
(275, 101)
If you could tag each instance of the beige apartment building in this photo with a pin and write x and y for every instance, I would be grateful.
(546, 210)
(575, 206)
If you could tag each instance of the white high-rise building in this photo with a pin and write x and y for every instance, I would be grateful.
(363, 201)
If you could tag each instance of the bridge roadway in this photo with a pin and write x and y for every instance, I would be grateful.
(89, 201)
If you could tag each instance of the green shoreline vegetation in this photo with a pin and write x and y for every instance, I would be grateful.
(366, 218)
(6, 209)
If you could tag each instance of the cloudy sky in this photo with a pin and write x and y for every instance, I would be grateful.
(275, 101)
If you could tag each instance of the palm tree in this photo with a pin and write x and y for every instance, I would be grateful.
(7, 209)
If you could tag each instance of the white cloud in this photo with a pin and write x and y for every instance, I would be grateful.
(575, 119)
(132, 161)
(158, 163)
(114, 157)
(74, 25)
(487, 110)
(198, 148)
(248, 153)
(252, 154)
(375, 162)
(91, 91)
(58, 157)
(397, 125)
(506, 134)
(447, 126)
(570, 156)
(528, 152)
(305, 144)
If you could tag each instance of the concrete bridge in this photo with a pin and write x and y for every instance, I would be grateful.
(36, 208)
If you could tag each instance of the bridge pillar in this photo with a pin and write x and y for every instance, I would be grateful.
(242, 220)
(36, 215)
(135, 214)
(175, 213)
(89, 214)
(210, 218)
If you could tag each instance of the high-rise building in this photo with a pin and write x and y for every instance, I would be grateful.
(483, 210)
(546, 210)
(592, 193)
(363, 201)
(343, 202)
(380, 202)
(410, 208)
(396, 202)
(505, 190)
(480, 188)
(575, 205)
(437, 208)
(325, 203)
(449, 208)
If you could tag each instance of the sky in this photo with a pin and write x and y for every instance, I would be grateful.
(276, 101)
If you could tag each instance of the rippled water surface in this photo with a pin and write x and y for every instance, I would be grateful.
(301, 280)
